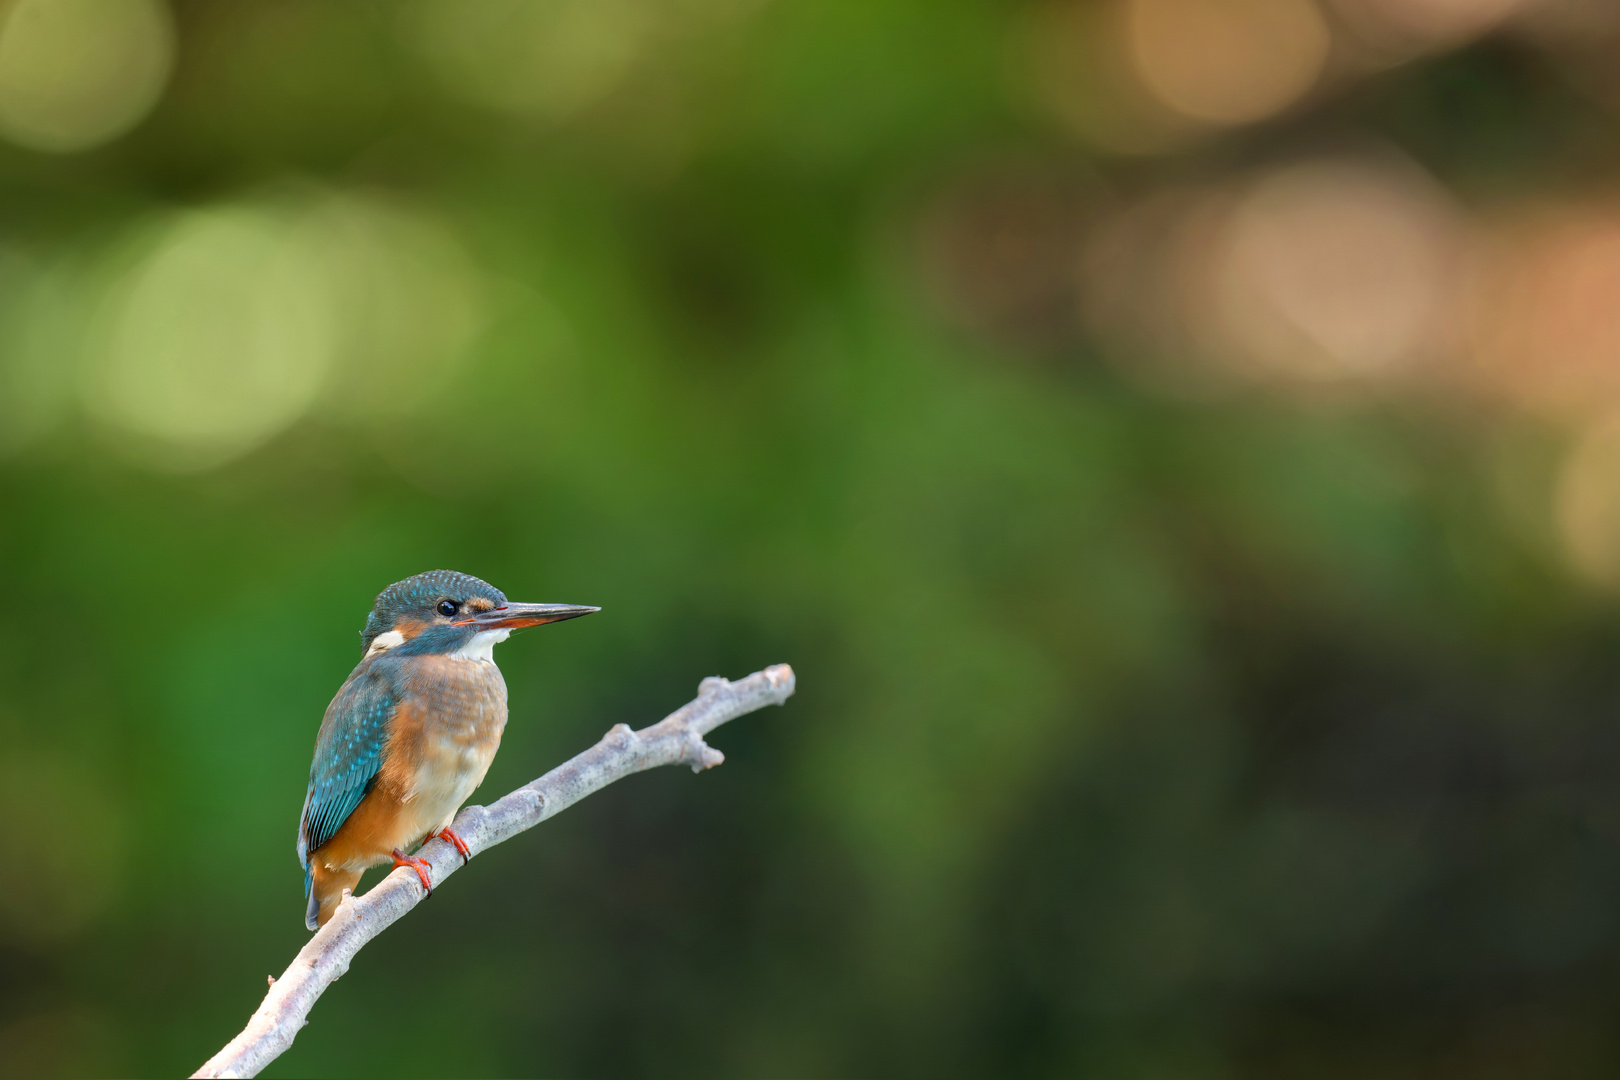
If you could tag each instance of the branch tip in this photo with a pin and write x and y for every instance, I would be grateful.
(779, 676)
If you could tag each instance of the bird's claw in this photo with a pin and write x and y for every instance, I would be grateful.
(461, 845)
(421, 866)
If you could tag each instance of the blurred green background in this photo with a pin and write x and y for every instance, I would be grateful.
(1174, 441)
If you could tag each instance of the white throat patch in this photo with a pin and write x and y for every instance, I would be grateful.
(383, 642)
(482, 646)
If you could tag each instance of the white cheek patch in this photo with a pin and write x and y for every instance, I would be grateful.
(383, 642)
(482, 645)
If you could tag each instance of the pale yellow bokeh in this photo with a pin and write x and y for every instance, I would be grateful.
(1336, 270)
(77, 73)
(1587, 505)
(1227, 61)
(546, 59)
(219, 337)
(411, 300)
(222, 327)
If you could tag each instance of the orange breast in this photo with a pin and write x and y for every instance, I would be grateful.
(441, 741)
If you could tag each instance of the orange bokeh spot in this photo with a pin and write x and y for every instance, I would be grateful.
(1230, 62)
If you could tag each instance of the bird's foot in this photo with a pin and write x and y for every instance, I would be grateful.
(461, 845)
(421, 866)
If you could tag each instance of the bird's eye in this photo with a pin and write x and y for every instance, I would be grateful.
(447, 608)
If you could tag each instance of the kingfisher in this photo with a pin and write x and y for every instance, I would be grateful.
(412, 731)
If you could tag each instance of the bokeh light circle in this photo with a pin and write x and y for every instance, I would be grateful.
(1587, 503)
(221, 327)
(77, 73)
(219, 337)
(410, 300)
(1546, 327)
(541, 58)
(1333, 270)
(1230, 62)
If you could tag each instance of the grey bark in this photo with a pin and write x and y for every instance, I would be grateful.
(676, 739)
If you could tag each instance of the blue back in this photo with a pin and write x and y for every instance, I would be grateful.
(348, 756)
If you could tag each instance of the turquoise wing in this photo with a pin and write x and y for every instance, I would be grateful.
(348, 756)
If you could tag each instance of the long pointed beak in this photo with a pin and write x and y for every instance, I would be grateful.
(517, 616)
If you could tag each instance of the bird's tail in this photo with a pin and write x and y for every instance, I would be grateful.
(325, 890)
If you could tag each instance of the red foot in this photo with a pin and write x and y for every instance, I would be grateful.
(461, 845)
(421, 866)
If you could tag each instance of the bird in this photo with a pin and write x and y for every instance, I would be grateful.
(411, 732)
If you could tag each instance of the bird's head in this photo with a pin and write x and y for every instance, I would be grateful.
(442, 611)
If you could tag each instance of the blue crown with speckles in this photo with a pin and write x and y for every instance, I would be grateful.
(418, 595)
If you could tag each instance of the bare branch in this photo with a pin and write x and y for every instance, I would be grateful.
(676, 739)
